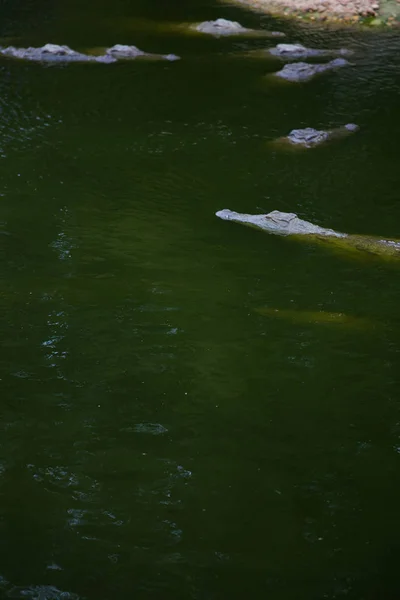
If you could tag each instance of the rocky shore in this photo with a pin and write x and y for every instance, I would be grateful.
(374, 12)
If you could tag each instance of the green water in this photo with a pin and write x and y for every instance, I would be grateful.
(161, 437)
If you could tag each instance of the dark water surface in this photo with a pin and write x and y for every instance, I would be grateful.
(160, 438)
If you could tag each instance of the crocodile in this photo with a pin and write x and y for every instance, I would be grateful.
(310, 137)
(302, 71)
(53, 53)
(296, 51)
(284, 224)
(223, 27)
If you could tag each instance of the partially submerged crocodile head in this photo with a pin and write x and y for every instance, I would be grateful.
(281, 223)
(278, 222)
(274, 218)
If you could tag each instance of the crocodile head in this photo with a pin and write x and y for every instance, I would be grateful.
(274, 220)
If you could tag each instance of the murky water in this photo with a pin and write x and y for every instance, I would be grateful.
(165, 432)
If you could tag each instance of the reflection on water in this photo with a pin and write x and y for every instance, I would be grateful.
(21, 128)
(39, 592)
(151, 428)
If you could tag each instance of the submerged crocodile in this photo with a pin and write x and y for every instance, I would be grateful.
(317, 317)
(295, 51)
(217, 28)
(302, 71)
(223, 27)
(310, 137)
(281, 223)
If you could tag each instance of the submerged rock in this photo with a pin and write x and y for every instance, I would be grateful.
(301, 71)
(64, 54)
(281, 223)
(293, 51)
(310, 137)
(223, 27)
